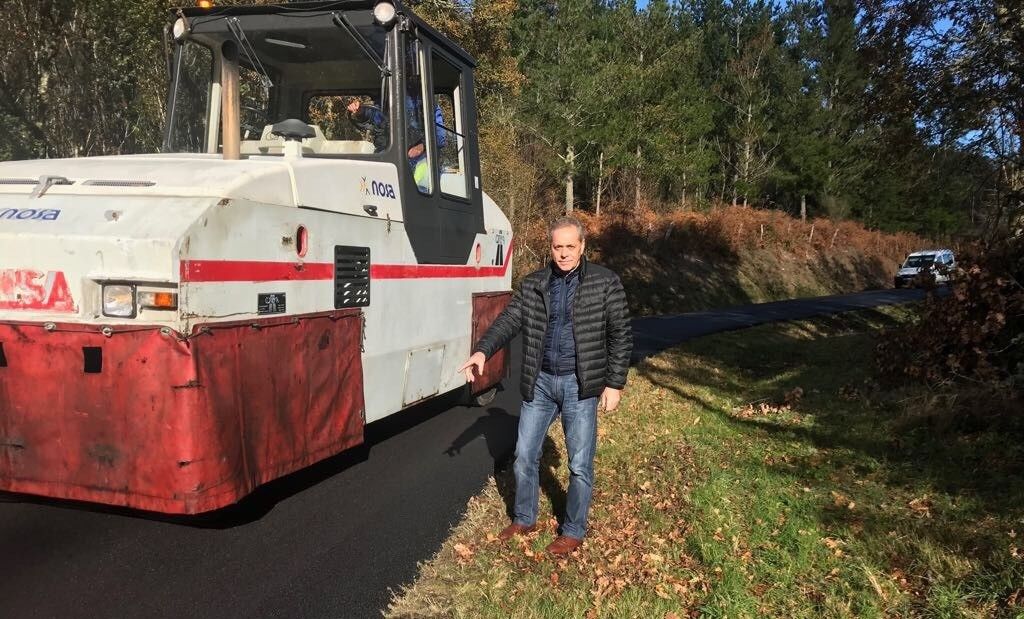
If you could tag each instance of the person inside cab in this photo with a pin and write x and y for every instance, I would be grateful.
(415, 136)
(369, 119)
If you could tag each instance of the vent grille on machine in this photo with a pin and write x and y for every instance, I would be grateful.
(351, 276)
(119, 183)
(53, 180)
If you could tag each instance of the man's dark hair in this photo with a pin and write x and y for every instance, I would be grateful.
(567, 221)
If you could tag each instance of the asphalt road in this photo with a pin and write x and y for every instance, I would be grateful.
(330, 541)
(654, 334)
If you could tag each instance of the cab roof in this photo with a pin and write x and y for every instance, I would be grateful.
(292, 8)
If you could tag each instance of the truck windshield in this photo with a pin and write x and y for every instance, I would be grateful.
(917, 262)
(309, 66)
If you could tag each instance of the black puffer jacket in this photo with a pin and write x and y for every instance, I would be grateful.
(601, 329)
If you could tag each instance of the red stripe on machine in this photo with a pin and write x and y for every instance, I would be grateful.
(253, 271)
(431, 271)
(437, 271)
(209, 271)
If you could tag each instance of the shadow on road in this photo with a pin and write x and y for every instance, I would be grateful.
(550, 486)
(498, 429)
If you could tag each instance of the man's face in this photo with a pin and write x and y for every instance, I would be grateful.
(566, 247)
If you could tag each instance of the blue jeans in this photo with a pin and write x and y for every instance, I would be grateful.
(554, 395)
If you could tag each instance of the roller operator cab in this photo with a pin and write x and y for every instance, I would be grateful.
(312, 251)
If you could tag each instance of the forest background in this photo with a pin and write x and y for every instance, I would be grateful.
(900, 114)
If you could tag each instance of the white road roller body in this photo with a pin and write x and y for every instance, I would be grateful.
(178, 328)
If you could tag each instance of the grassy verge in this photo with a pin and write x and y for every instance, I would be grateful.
(760, 473)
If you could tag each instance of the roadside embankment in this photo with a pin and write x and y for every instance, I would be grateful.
(685, 260)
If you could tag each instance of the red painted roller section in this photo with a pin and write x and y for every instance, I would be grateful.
(176, 426)
(486, 307)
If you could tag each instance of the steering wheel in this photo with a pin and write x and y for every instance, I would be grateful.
(256, 114)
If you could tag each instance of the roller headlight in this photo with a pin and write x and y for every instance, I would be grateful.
(119, 301)
(384, 13)
(180, 28)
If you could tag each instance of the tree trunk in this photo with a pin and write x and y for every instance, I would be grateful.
(511, 198)
(570, 160)
(600, 179)
(637, 176)
(803, 207)
(683, 204)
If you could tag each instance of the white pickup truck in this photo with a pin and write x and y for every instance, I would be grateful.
(921, 266)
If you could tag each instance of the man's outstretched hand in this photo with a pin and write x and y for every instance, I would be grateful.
(609, 399)
(475, 362)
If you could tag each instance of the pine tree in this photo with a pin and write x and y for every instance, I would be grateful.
(559, 101)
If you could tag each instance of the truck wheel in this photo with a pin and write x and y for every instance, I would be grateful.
(484, 398)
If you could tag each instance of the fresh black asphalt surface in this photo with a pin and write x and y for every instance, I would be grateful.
(656, 333)
(331, 541)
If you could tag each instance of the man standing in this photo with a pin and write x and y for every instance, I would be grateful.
(576, 346)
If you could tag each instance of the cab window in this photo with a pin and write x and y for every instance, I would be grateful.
(417, 121)
(254, 95)
(292, 65)
(355, 117)
(449, 106)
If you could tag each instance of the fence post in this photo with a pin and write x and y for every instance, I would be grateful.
(810, 243)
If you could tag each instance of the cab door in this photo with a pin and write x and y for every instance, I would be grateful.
(444, 205)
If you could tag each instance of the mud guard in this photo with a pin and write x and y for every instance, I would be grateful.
(486, 308)
(147, 419)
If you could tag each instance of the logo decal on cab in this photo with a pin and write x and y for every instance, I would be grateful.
(24, 289)
(377, 188)
(49, 214)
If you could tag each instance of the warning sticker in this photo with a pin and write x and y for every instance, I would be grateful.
(270, 303)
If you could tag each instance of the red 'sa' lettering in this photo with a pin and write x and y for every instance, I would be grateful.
(24, 289)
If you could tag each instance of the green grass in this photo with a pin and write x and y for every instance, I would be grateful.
(760, 473)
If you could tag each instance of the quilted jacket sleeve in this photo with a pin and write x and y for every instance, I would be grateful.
(619, 334)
